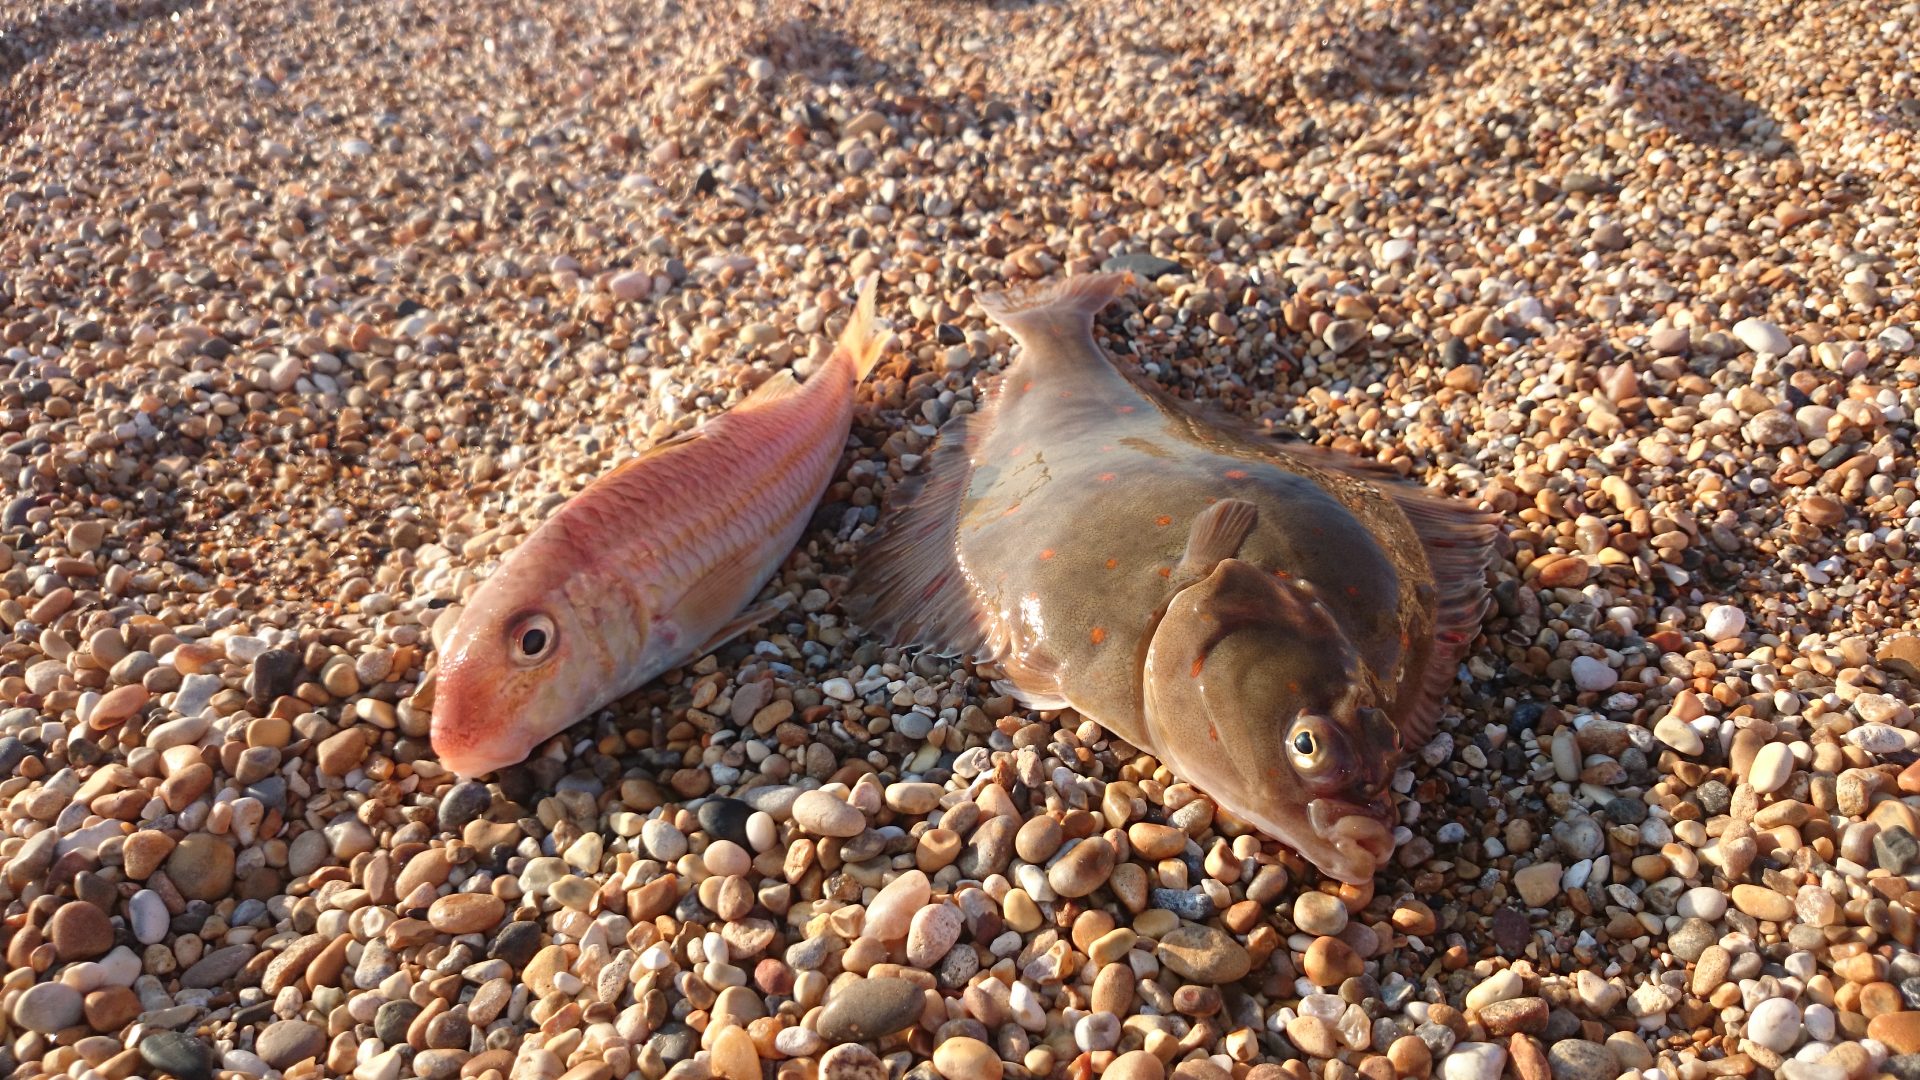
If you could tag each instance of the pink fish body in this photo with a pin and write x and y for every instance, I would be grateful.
(647, 568)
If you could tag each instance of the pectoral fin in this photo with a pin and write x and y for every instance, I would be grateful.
(1217, 534)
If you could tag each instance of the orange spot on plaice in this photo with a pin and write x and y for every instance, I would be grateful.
(1293, 686)
(1236, 474)
(1126, 408)
(1198, 661)
(1008, 512)
(1282, 575)
(1213, 732)
(1107, 477)
(1046, 553)
(1163, 520)
(1166, 571)
(1353, 590)
(1112, 563)
(1017, 451)
(1099, 635)
(1026, 386)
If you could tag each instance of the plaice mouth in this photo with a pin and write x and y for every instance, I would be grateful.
(1361, 840)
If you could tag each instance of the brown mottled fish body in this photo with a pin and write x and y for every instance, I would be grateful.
(1197, 589)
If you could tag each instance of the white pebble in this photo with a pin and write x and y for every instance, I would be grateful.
(1723, 621)
(1771, 768)
(1775, 1024)
(1591, 674)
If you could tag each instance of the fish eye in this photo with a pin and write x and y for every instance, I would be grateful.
(1309, 746)
(532, 639)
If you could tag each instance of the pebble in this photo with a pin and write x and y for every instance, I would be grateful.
(201, 867)
(1204, 955)
(825, 815)
(184, 1056)
(869, 1009)
(47, 1007)
(1474, 1061)
(1577, 1059)
(1319, 913)
(1762, 337)
(1775, 1024)
(964, 1058)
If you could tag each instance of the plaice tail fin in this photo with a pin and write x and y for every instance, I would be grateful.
(1063, 309)
(859, 339)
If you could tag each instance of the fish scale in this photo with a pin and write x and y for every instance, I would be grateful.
(1277, 624)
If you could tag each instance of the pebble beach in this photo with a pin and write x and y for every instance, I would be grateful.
(310, 312)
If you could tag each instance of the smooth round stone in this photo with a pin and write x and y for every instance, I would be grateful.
(1775, 1024)
(1319, 914)
(201, 867)
(1691, 939)
(182, 1055)
(1577, 1059)
(1204, 955)
(663, 840)
(466, 913)
(1135, 1065)
(1771, 768)
(726, 858)
(288, 1042)
(932, 934)
(725, 819)
(963, 1058)
(1704, 902)
(870, 1009)
(48, 1007)
(1474, 1061)
(1083, 868)
(890, 915)
(826, 815)
(80, 931)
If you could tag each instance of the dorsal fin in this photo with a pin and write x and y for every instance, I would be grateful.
(909, 587)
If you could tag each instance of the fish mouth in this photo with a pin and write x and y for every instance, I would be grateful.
(1354, 840)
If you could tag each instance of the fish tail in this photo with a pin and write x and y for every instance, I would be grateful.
(1060, 308)
(862, 343)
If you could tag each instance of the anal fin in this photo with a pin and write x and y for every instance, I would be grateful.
(909, 587)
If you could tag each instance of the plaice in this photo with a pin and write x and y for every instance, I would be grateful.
(1278, 624)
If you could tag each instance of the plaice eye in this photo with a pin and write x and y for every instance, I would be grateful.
(1304, 745)
(533, 642)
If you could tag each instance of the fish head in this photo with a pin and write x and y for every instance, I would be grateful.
(1256, 696)
(540, 645)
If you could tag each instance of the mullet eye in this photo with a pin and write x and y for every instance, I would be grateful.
(532, 639)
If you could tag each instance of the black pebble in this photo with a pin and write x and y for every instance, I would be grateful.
(182, 1055)
(463, 805)
(725, 819)
(1627, 811)
(274, 674)
(1714, 797)
(516, 944)
(1896, 850)
(1526, 716)
(393, 1019)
